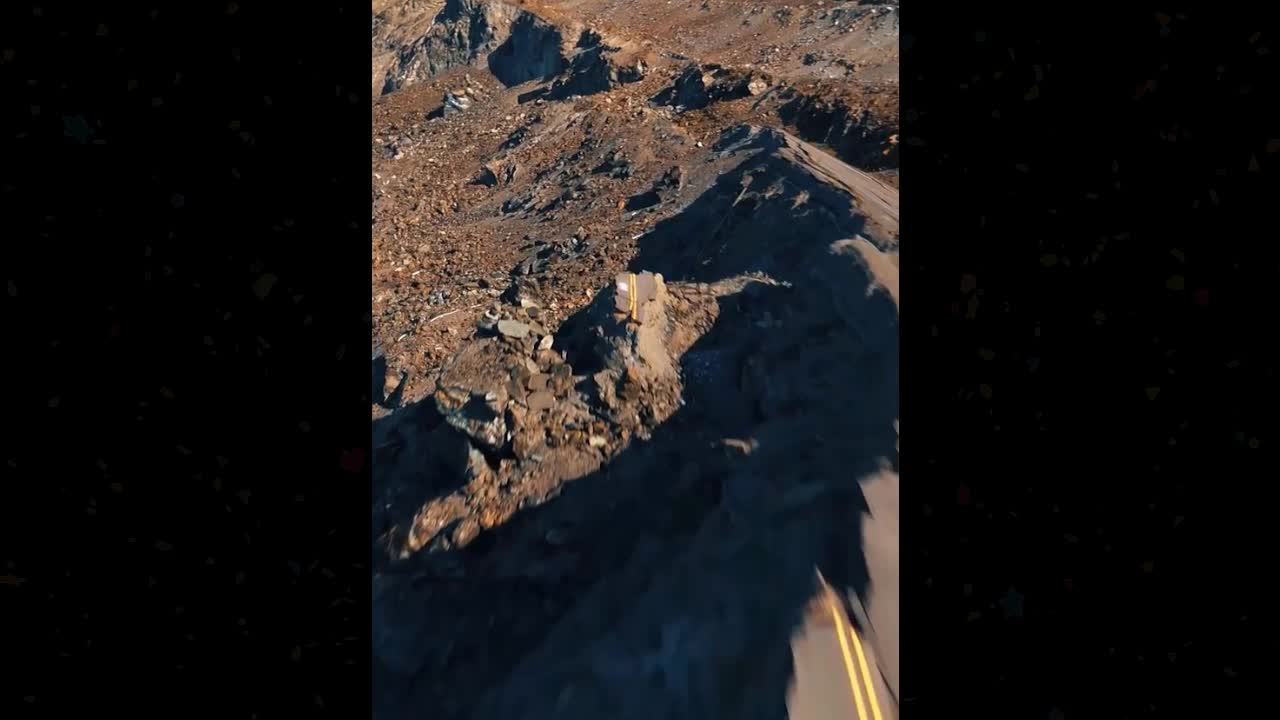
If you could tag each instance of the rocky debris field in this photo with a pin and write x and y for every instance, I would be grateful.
(635, 346)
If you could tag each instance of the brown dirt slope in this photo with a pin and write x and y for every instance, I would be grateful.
(645, 501)
(576, 514)
(439, 238)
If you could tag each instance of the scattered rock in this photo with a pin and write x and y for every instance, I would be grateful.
(561, 378)
(541, 400)
(525, 444)
(486, 177)
(673, 178)
(456, 102)
(513, 329)
(465, 532)
(672, 181)
(518, 202)
(535, 261)
(510, 171)
(488, 321)
(615, 165)
(479, 416)
(701, 85)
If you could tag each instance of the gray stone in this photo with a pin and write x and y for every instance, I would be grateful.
(513, 329)
(456, 102)
(479, 419)
(488, 321)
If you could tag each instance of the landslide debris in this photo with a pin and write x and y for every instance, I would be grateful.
(613, 489)
(635, 314)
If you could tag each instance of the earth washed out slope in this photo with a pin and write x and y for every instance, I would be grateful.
(575, 514)
(682, 549)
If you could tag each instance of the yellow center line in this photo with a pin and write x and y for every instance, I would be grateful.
(866, 675)
(848, 661)
(632, 296)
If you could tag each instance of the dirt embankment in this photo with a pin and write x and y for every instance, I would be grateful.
(623, 493)
(607, 485)
(580, 151)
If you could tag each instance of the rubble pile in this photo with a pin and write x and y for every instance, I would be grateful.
(528, 420)
(700, 85)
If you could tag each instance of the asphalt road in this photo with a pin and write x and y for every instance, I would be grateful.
(846, 654)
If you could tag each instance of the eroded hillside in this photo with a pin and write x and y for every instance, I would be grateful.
(635, 318)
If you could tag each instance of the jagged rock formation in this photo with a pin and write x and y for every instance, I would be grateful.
(516, 44)
(699, 86)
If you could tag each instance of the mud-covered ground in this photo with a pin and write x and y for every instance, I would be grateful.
(575, 513)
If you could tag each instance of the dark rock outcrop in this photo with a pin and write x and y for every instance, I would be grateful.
(700, 85)
(517, 45)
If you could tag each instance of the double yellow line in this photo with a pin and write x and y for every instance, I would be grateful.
(863, 670)
(631, 294)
